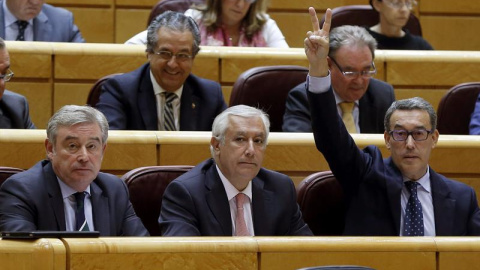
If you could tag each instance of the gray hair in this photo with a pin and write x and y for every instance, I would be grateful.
(70, 115)
(416, 103)
(174, 21)
(347, 35)
(222, 121)
(2, 44)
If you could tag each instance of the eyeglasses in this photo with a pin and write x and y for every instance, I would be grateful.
(417, 134)
(355, 74)
(399, 4)
(7, 76)
(166, 55)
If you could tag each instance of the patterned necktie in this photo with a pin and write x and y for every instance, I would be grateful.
(81, 221)
(413, 221)
(168, 111)
(21, 30)
(240, 224)
(347, 116)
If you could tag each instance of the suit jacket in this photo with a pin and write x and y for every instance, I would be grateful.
(372, 108)
(474, 126)
(52, 24)
(32, 200)
(373, 185)
(15, 107)
(196, 204)
(128, 101)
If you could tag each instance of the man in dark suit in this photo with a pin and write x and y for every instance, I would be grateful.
(401, 195)
(67, 192)
(27, 20)
(351, 51)
(14, 112)
(163, 94)
(232, 194)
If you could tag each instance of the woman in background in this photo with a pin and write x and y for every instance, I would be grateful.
(388, 32)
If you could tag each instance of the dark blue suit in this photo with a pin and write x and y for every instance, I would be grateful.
(15, 108)
(32, 200)
(372, 107)
(52, 24)
(196, 204)
(128, 101)
(373, 185)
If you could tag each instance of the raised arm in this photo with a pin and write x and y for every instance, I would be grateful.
(317, 44)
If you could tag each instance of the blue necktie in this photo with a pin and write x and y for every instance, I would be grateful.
(413, 223)
(21, 30)
(81, 221)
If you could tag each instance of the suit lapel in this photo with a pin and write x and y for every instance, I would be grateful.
(2, 21)
(443, 205)
(367, 112)
(217, 200)
(55, 196)
(260, 202)
(42, 30)
(394, 185)
(188, 107)
(147, 102)
(100, 209)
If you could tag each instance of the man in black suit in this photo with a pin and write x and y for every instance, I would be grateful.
(401, 195)
(14, 112)
(163, 94)
(351, 65)
(232, 194)
(67, 192)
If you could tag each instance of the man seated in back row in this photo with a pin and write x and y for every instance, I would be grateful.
(359, 97)
(232, 194)
(162, 94)
(67, 192)
(401, 195)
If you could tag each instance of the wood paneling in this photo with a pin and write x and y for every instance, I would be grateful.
(95, 24)
(129, 22)
(452, 32)
(41, 254)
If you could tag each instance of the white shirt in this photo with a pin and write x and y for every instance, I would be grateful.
(160, 101)
(247, 206)
(320, 85)
(70, 206)
(11, 27)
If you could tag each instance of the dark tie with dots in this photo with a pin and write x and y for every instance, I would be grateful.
(168, 112)
(21, 30)
(81, 221)
(413, 223)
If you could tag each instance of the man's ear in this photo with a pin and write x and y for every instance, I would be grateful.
(49, 148)
(386, 137)
(435, 136)
(376, 5)
(215, 144)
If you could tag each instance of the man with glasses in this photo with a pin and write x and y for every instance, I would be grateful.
(14, 112)
(397, 196)
(163, 94)
(389, 32)
(360, 99)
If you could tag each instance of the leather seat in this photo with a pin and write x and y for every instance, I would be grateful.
(321, 201)
(365, 15)
(6, 172)
(96, 90)
(456, 107)
(146, 186)
(267, 88)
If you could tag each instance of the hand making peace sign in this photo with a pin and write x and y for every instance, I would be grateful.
(317, 44)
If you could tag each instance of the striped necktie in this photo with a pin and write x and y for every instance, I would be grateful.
(81, 221)
(168, 111)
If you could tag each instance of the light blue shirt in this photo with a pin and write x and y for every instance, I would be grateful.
(70, 205)
(11, 28)
(320, 85)
(247, 206)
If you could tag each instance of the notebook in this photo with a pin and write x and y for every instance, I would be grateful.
(49, 234)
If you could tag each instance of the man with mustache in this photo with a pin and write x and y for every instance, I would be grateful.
(67, 192)
(398, 196)
(34, 20)
(231, 194)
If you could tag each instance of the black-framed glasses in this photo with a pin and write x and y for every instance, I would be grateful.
(397, 4)
(166, 55)
(7, 76)
(355, 74)
(417, 134)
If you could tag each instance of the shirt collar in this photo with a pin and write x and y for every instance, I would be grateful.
(339, 100)
(67, 191)
(424, 181)
(157, 89)
(231, 190)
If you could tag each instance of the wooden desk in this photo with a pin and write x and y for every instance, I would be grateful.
(41, 254)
